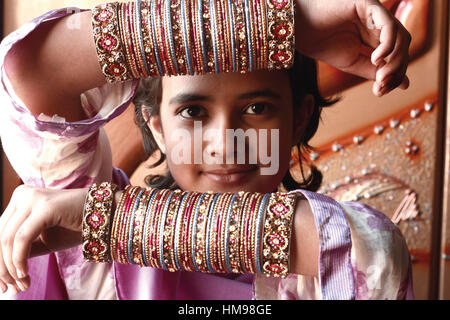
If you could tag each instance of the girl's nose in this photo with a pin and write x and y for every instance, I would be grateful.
(220, 141)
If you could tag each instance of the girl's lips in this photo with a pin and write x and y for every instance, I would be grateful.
(230, 176)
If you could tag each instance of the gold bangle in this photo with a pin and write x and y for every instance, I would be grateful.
(253, 231)
(277, 234)
(108, 43)
(116, 225)
(96, 222)
(201, 232)
(138, 231)
(169, 232)
(280, 18)
(159, 221)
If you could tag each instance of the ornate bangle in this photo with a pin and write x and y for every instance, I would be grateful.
(281, 33)
(123, 253)
(208, 237)
(277, 234)
(186, 35)
(185, 261)
(108, 43)
(135, 206)
(96, 222)
(178, 230)
(259, 232)
(174, 230)
(202, 219)
(168, 251)
(116, 225)
(146, 232)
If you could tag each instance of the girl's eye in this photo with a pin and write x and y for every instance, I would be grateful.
(257, 108)
(192, 112)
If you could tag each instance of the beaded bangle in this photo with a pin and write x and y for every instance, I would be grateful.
(148, 215)
(96, 222)
(281, 33)
(154, 33)
(125, 244)
(208, 244)
(245, 233)
(251, 250)
(205, 232)
(215, 234)
(198, 33)
(214, 35)
(153, 241)
(138, 232)
(141, 30)
(277, 234)
(186, 230)
(161, 27)
(132, 225)
(241, 36)
(186, 35)
(170, 38)
(233, 228)
(116, 226)
(178, 230)
(108, 43)
(169, 232)
(178, 37)
(259, 232)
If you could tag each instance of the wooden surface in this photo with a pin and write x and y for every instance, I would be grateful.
(444, 279)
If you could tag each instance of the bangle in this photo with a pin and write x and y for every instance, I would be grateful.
(108, 43)
(132, 226)
(258, 233)
(176, 230)
(169, 232)
(96, 222)
(143, 39)
(146, 236)
(209, 244)
(280, 18)
(277, 234)
(186, 35)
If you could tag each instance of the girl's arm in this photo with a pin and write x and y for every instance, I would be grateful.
(52, 66)
(41, 221)
(58, 62)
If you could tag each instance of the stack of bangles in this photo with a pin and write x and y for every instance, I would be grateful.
(143, 39)
(179, 230)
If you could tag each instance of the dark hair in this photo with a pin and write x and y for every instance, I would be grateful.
(303, 79)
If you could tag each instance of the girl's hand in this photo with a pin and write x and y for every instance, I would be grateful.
(37, 222)
(339, 31)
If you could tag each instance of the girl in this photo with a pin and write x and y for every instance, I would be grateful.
(355, 252)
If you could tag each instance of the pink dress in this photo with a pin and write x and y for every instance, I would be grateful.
(363, 255)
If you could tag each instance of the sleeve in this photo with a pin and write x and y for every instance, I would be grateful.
(49, 152)
(363, 256)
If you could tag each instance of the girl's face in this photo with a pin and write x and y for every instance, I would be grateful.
(200, 115)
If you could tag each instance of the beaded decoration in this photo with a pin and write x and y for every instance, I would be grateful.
(96, 222)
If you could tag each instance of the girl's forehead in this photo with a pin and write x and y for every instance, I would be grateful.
(229, 83)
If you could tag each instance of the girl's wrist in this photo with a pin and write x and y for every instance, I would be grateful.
(305, 245)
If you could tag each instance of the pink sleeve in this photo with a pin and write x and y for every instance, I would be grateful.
(362, 256)
(48, 151)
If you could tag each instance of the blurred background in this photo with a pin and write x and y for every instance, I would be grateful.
(391, 153)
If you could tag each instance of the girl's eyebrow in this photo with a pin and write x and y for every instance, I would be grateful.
(190, 97)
